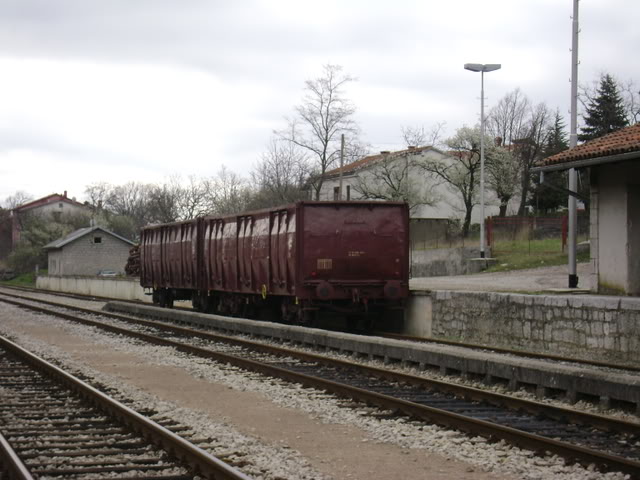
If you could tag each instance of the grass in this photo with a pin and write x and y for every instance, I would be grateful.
(521, 254)
(23, 280)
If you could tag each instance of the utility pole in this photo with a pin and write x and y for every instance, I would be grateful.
(573, 141)
(341, 165)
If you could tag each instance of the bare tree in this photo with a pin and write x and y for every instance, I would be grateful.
(228, 192)
(522, 128)
(131, 200)
(322, 117)
(530, 148)
(17, 199)
(631, 99)
(164, 201)
(507, 121)
(502, 174)
(461, 174)
(418, 136)
(391, 178)
(280, 175)
(194, 200)
(97, 194)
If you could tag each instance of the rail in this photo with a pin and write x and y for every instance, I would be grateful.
(206, 464)
(464, 423)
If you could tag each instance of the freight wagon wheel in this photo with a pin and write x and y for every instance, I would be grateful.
(165, 298)
(308, 318)
(200, 302)
(359, 323)
(249, 311)
(196, 303)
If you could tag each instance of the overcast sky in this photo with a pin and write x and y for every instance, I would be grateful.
(124, 90)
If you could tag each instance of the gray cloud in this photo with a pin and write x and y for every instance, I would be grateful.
(409, 53)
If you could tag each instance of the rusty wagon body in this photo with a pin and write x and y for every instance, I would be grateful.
(301, 258)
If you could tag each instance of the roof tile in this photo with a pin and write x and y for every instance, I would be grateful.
(626, 140)
(363, 162)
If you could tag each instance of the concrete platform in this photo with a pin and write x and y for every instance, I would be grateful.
(529, 280)
(574, 381)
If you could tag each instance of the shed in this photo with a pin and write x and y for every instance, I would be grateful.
(614, 161)
(88, 251)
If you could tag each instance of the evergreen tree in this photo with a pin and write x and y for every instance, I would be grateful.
(605, 111)
(546, 198)
(556, 137)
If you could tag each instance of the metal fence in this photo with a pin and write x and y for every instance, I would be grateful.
(543, 234)
(427, 233)
(502, 233)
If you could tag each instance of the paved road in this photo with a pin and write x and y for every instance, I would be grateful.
(530, 280)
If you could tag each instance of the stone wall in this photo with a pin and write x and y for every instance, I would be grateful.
(595, 327)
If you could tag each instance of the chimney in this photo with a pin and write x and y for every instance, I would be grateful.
(411, 147)
(65, 194)
(385, 152)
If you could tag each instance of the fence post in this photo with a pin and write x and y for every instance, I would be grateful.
(565, 228)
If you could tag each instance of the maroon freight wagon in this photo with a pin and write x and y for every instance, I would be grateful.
(351, 257)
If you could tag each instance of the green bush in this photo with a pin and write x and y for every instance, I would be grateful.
(24, 258)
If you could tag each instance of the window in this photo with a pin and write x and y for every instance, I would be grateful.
(336, 193)
(97, 239)
(60, 204)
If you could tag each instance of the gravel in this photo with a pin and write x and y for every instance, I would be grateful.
(272, 462)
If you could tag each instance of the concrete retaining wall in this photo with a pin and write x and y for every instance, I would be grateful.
(118, 287)
(438, 262)
(606, 328)
(595, 327)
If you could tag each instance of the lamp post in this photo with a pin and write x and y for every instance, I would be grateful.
(482, 67)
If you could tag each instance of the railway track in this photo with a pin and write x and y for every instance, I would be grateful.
(62, 294)
(586, 438)
(408, 338)
(53, 425)
(507, 351)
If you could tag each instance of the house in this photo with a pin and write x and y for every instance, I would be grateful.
(614, 163)
(381, 175)
(88, 251)
(54, 205)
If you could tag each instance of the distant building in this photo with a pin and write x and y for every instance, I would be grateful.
(375, 171)
(54, 205)
(88, 251)
(614, 164)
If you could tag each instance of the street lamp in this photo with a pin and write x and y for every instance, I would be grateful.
(480, 67)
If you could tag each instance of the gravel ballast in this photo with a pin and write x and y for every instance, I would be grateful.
(261, 459)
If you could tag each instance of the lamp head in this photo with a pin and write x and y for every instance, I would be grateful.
(482, 67)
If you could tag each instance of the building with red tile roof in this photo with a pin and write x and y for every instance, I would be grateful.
(372, 159)
(619, 146)
(374, 173)
(55, 205)
(613, 161)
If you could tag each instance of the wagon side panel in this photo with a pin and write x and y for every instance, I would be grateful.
(354, 249)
